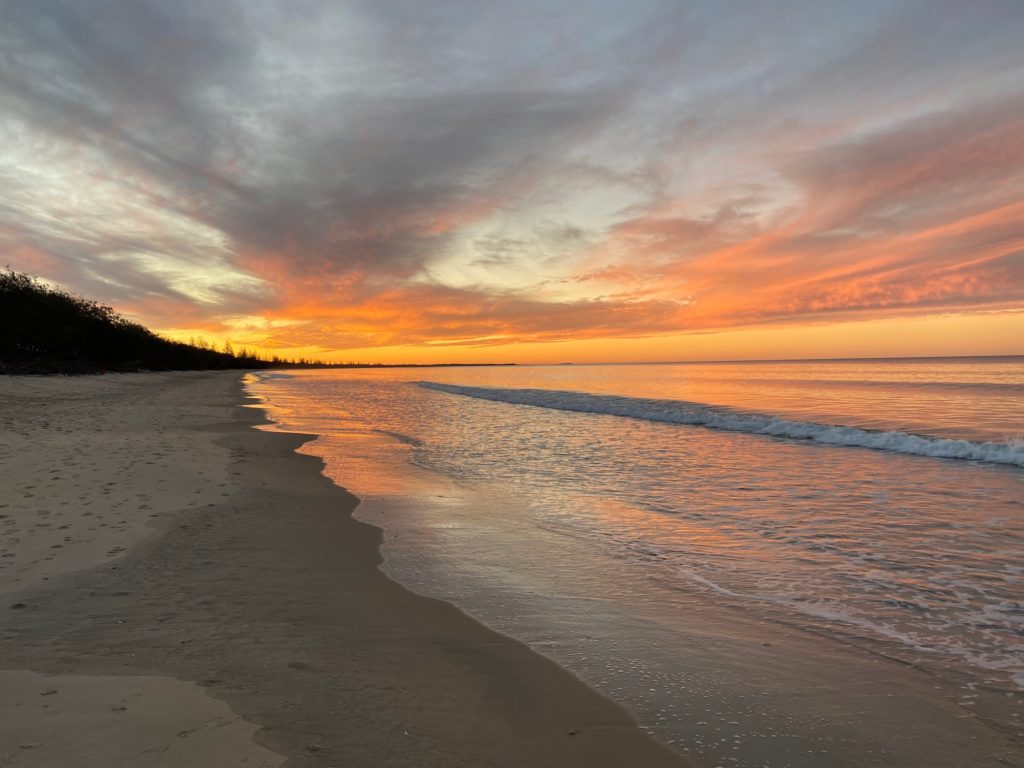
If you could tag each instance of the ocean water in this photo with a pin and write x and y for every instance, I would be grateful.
(733, 551)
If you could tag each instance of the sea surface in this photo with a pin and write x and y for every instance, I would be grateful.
(734, 551)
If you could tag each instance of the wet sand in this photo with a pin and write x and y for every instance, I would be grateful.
(182, 589)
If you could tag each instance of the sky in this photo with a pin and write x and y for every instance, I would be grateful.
(530, 181)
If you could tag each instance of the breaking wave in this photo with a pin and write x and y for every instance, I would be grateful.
(689, 413)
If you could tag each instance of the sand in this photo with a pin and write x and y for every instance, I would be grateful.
(182, 589)
(90, 463)
(118, 720)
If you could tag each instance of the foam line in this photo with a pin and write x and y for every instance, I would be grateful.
(684, 412)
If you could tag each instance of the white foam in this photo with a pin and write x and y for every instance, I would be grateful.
(684, 412)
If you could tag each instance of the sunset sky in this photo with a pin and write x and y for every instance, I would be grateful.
(527, 181)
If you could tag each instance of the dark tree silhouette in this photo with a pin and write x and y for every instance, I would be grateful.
(46, 330)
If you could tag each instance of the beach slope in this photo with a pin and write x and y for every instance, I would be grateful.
(181, 588)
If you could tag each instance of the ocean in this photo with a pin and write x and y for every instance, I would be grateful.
(770, 564)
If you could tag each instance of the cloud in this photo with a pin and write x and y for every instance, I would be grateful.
(921, 217)
(464, 173)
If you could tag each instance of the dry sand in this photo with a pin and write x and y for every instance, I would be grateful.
(90, 463)
(174, 580)
(117, 720)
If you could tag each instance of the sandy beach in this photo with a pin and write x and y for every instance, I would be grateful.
(180, 588)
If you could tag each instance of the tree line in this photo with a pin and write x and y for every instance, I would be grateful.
(48, 330)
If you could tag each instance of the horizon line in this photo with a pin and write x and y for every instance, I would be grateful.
(765, 360)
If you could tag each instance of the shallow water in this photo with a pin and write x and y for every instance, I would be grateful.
(595, 511)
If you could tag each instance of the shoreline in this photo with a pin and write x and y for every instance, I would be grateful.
(271, 599)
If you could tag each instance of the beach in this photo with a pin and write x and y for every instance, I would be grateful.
(180, 588)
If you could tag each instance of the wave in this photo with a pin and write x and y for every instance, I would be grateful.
(271, 375)
(400, 437)
(988, 387)
(696, 414)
